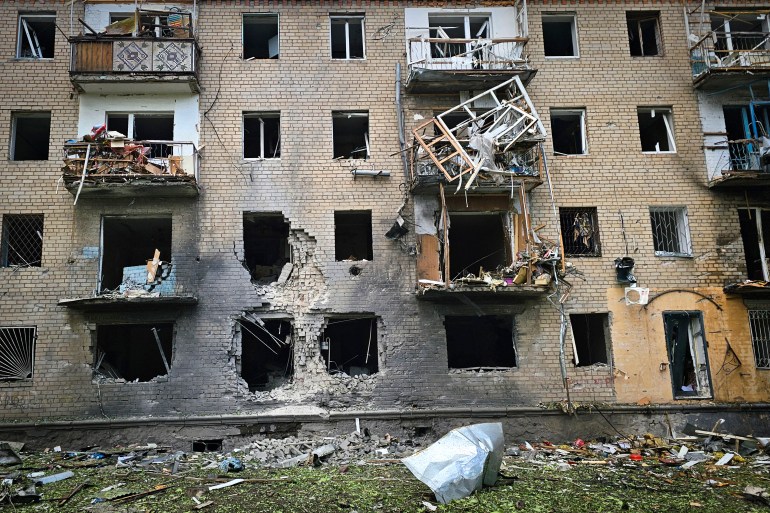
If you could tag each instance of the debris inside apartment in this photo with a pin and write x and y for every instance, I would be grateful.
(150, 23)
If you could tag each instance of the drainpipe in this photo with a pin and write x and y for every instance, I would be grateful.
(400, 117)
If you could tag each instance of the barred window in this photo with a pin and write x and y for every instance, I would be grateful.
(580, 231)
(17, 353)
(22, 242)
(670, 231)
(759, 323)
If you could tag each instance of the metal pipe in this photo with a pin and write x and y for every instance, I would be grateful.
(400, 118)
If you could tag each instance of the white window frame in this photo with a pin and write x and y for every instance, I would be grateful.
(23, 32)
(668, 121)
(346, 17)
(682, 229)
(565, 16)
(260, 115)
(760, 335)
(132, 117)
(584, 139)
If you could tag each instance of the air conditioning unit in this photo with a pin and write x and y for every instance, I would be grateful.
(637, 296)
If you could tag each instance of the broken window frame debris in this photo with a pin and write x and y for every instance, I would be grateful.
(759, 326)
(502, 356)
(580, 225)
(273, 52)
(262, 340)
(17, 353)
(341, 140)
(670, 231)
(581, 139)
(110, 363)
(646, 117)
(252, 241)
(561, 17)
(351, 54)
(370, 354)
(456, 46)
(35, 150)
(638, 24)
(27, 41)
(360, 220)
(695, 350)
(269, 147)
(585, 350)
(22, 240)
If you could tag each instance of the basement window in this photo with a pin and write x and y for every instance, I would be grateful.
(349, 345)
(478, 240)
(17, 353)
(347, 37)
(267, 353)
(759, 322)
(670, 231)
(133, 352)
(580, 231)
(261, 135)
(687, 355)
(590, 334)
(644, 33)
(656, 130)
(480, 342)
(265, 244)
(568, 127)
(22, 242)
(560, 35)
(755, 233)
(130, 242)
(30, 134)
(36, 36)
(353, 235)
(350, 133)
(260, 36)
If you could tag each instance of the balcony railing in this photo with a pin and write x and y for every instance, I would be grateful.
(730, 51)
(467, 54)
(738, 158)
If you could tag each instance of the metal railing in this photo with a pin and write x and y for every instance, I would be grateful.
(720, 50)
(738, 155)
(134, 55)
(451, 54)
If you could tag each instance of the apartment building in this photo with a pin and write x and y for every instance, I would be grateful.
(302, 211)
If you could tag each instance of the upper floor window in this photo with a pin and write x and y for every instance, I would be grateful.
(568, 128)
(670, 231)
(36, 36)
(350, 133)
(644, 33)
(560, 35)
(347, 36)
(580, 231)
(30, 133)
(456, 27)
(22, 240)
(261, 135)
(260, 36)
(656, 130)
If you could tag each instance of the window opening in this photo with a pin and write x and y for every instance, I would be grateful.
(30, 134)
(17, 353)
(477, 240)
(580, 231)
(207, 445)
(738, 34)
(670, 231)
(687, 358)
(146, 127)
(260, 36)
(267, 353)
(560, 35)
(347, 37)
(266, 245)
(22, 242)
(261, 135)
(656, 130)
(456, 27)
(744, 151)
(755, 233)
(353, 235)
(644, 33)
(590, 334)
(569, 131)
(129, 242)
(350, 131)
(133, 352)
(36, 37)
(759, 323)
(480, 342)
(349, 345)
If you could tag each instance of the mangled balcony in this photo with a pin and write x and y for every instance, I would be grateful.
(488, 143)
(741, 163)
(153, 50)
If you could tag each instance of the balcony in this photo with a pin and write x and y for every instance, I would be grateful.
(740, 163)
(723, 59)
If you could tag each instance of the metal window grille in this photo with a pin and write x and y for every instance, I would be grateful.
(670, 235)
(22, 242)
(759, 323)
(17, 353)
(580, 231)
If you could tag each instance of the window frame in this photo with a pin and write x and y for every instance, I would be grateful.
(10, 380)
(668, 122)
(683, 231)
(554, 16)
(245, 15)
(596, 238)
(5, 243)
(260, 115)
(367, 140)
(581, 112)
(758, 359)
(19, 29)
(637, 17)
(346, 17)
(574, 317)
(15, 116)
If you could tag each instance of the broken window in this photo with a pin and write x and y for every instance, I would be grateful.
(743, 124)
(350, 131)
(740, 38)
(560, 35)
(265, 244)
(580, 231)
(22, 242)
(261, 135)
(590, 334)
(756, 243)
(353, 235)
(267, 353)
(670, 231)
(30, 133)
(442, 26)
(759, 323)
(568, 127)
(17, 353)
(480, 342)
(687, 357)
(478, 239)
(349, 345)
(644, 33)
(260, 36)
(656, 130)
(36, 36)
(347, 36)
(133, 352)
(147, 126)
(127, 244)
